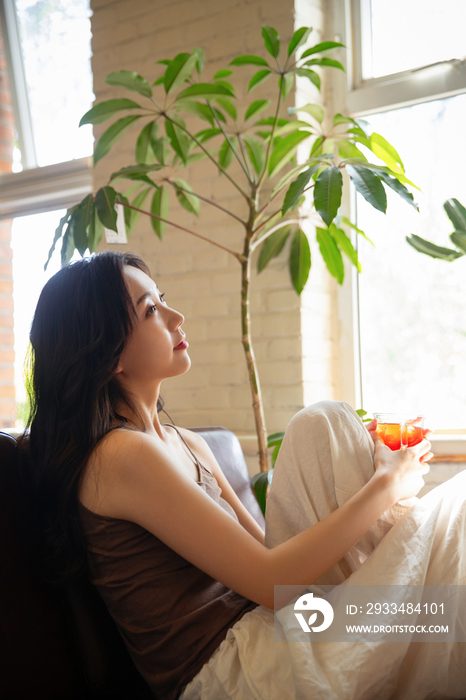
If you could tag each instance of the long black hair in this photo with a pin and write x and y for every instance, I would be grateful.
(82, 321)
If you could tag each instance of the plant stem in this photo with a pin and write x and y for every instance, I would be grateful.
(246, 340)
(204, 199)
(238, 256)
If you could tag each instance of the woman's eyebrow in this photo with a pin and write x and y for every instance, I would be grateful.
(145, 295)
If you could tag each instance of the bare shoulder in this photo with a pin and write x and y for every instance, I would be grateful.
(117, 455)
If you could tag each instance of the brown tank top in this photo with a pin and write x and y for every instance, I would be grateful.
(172, 616)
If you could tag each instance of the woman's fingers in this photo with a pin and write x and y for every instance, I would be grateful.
(421, 449)
(372, 425)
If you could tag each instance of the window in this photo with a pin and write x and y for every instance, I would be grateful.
(45, 168)
(406, 333)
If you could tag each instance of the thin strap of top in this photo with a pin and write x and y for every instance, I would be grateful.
(196, 461)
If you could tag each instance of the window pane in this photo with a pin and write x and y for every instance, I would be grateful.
(414, 33)
(31, 240)
(55, 38)
(413, 320)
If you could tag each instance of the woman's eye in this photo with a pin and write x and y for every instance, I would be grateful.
(152, 309)
(162, 296)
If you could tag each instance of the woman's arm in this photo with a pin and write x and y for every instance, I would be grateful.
(140, 481)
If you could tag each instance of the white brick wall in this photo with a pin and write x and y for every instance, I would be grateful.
(293, 338)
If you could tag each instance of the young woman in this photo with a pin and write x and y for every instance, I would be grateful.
(143, 508)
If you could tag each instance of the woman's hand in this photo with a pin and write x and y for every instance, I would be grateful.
(404, 469)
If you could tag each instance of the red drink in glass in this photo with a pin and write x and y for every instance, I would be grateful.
(391, 434)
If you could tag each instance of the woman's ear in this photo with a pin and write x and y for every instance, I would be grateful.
(119, 368)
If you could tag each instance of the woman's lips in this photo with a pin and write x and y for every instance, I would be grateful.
(182, 346)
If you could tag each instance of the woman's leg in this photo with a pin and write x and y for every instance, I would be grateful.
(325, 458)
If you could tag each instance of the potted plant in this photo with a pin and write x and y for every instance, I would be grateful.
(279, 192)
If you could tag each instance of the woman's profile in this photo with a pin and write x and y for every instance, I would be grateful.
(142, 508)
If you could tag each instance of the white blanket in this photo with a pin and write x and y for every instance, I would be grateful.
(326, 457)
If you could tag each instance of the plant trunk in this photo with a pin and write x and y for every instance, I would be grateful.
(251, 360)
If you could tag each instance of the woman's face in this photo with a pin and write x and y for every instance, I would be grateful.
(156, 348)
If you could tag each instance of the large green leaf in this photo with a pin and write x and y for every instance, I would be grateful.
(319, 48)
(345, 244)
(310, 75)
(369, 185)
(200, 59)
(300, 260)
(222, 74)
(105, 110)
(272, 246)
(434, 251)
(59, 231)
(228, 106)
(206, 90)
(345, 220)
(325, 63)
(179, 69)
(327, 193)
(297, 188)
(256, 153)
(144, 151)
(458, 238)
(67, 246)
(135, 172)
(112, 135)
(95, 231)
(381, 168)
(285, 150)
(202, 111)
(178, 138)
(285, 83)
(315, 111)
(456, 213)
(298, 39)
(161, 148)
(186, 198)
(256, 107)
(248, 60)
(105, 205)
(260, 483)
(386, 152)
(138, 202)
(207, 134)
(130, 81)
(79, 223)
(341, 119)
(258, 78)
(331, 254)
(271, 40)
(225, 153)
(399, 188)
(346, 149)
(159, 207)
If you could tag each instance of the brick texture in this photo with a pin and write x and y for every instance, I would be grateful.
(7, 355)
(200, 280)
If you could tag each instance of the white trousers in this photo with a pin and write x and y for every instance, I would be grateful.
(325, 458)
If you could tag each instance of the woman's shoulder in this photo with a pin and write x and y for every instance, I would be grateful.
(118, 452)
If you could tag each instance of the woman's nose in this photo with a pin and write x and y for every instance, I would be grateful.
(177, 318)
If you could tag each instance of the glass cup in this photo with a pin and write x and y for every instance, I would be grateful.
(391, 427)
(400, 430)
